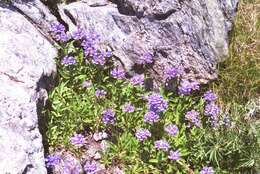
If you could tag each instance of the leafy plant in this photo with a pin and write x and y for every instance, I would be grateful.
(164, 131)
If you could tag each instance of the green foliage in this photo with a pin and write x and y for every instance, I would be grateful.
(76, 109)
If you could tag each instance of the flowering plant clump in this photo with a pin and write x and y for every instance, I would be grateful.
(174, 155)
(161, 131)
(77, 140)
(171, 129)
(143, 134)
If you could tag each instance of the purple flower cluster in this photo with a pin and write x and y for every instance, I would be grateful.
(78, 34)
(86, 84)
(68, 60)
(77, 140)
(162, 145)
(67, 164)
(174, 155)
(108, 53)
(100, 93)
(170, 73)
(57, 28)
(212, 110)
(156, 103)
(108, 116)
(52, 160)
(59, 32)
(89, 46)
(226, 122)
(186, 87)
(207, 170)
(118, 73)
(89, 42)
(99, 58)
(90, 167)
(151, 117)
(71, 166)
(209, 96)
(137, 80)
(142, 134)
(145, 59)
(193, 118)
(128, 108)
(171, 129)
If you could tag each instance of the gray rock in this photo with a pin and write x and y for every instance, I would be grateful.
(37, 13)
(97, 136)
(96, 3)
(26, 60)
(97, 156)
(192, 35)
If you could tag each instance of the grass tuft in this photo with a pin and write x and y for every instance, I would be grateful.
(239, 75)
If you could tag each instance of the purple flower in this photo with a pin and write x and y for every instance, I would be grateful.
(209, 96)
(142, 134)
(211, 109)
(86, 84)
(151, 117)
(57, 28)
(170, 73)
(90, 167)
(174, 155)
(157, 103)
(186, 87)
(207, 170)
(98, 58)
(58, 31)
(118, 73)
(108, 116)
(226, 122)
(63, 37)
(68, 60)
(89, 47)
(52, 160)
(162, 145)
(90, 39)
(92, 51)
(100, 93)
(77, 140)
(71, 166)
(128, 108)
(137, 80)
(193, 118)
(108, 53)
(146, 58)
(171, 129)
(78, 34)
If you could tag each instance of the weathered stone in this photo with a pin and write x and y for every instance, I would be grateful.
(26, 60)
(192, 35)
(37, 13)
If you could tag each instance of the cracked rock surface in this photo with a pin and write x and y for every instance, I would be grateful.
(26, 59)
(192, 35)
